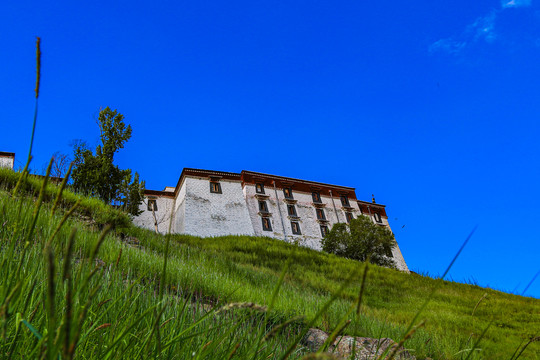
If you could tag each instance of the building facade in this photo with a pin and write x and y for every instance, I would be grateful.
(215, 203)
(7, 160)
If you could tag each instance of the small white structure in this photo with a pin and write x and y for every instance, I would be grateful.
(215, 203)
(7, 160)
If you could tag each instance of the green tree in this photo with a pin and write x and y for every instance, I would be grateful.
(96, 175)
(361, 240)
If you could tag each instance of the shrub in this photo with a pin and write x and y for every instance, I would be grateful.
(361, 240)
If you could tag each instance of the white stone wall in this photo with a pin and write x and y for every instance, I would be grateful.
(180, 211)
(305, 210)
(7, 162)
(212, 214)
(163, 214)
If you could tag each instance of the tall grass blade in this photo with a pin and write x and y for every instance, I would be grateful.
(50, 300)
(362, 287)
(61, 190)
(475, 346)
(38, 79)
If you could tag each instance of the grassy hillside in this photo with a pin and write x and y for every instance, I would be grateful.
(122, 311)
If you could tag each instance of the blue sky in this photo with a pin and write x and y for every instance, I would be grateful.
(433, 106)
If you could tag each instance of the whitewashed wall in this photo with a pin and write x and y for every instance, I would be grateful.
(163, 215)
(180, 211)
(211, 214)
(309, 226)
(7, 162)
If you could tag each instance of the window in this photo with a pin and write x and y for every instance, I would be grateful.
(316, 197)
(295, 228)
(344, 200)
(215, 187)
(349, 216)
(324, 230)
(291, 210)
(259, 188)
(377, 217)
(262, 206)
(320, 214)
(266, 224)
(288, 193)
(152, 205)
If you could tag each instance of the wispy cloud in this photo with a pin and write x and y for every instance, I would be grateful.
(483, 28)
(450, 46)
(515, 3)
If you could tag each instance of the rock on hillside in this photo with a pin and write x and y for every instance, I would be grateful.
(365, 348)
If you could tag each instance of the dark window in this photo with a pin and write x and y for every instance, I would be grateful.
(291, 210)
(377, 217)
(344, 200)
(288, 193)
(295, 228)
(316, 197)
(324, 230)
(267, 225)
(320, 214)
(152, 205)
(262, 206)
(259, 188)
(349, 216)
(215, 187)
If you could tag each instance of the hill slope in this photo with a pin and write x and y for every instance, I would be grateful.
(228, 269)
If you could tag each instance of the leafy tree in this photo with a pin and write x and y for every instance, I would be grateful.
(361, 240)
(96, 175)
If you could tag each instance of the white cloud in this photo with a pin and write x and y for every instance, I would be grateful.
(483, 28)
(447, 45)
(515, 3)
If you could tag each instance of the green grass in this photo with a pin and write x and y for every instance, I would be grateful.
(90, 208)
(57, 300)
(218, 271)
(391, 298)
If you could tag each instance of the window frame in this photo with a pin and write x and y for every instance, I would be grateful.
(266, 224)
(349, 216)
(345, 200)
(154, 203)
(261, 186)
(324, 230)
(316, 196)
(264, 206)
(377, 217)
(298, 231)
(290, 196)
(320, 211)
(217, 190)
(294, 213)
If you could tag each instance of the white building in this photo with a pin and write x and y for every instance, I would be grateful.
(7, 160)
(214, 203)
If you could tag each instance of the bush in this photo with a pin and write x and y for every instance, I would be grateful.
(361, 240)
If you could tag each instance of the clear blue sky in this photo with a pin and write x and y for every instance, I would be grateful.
(433, 106)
